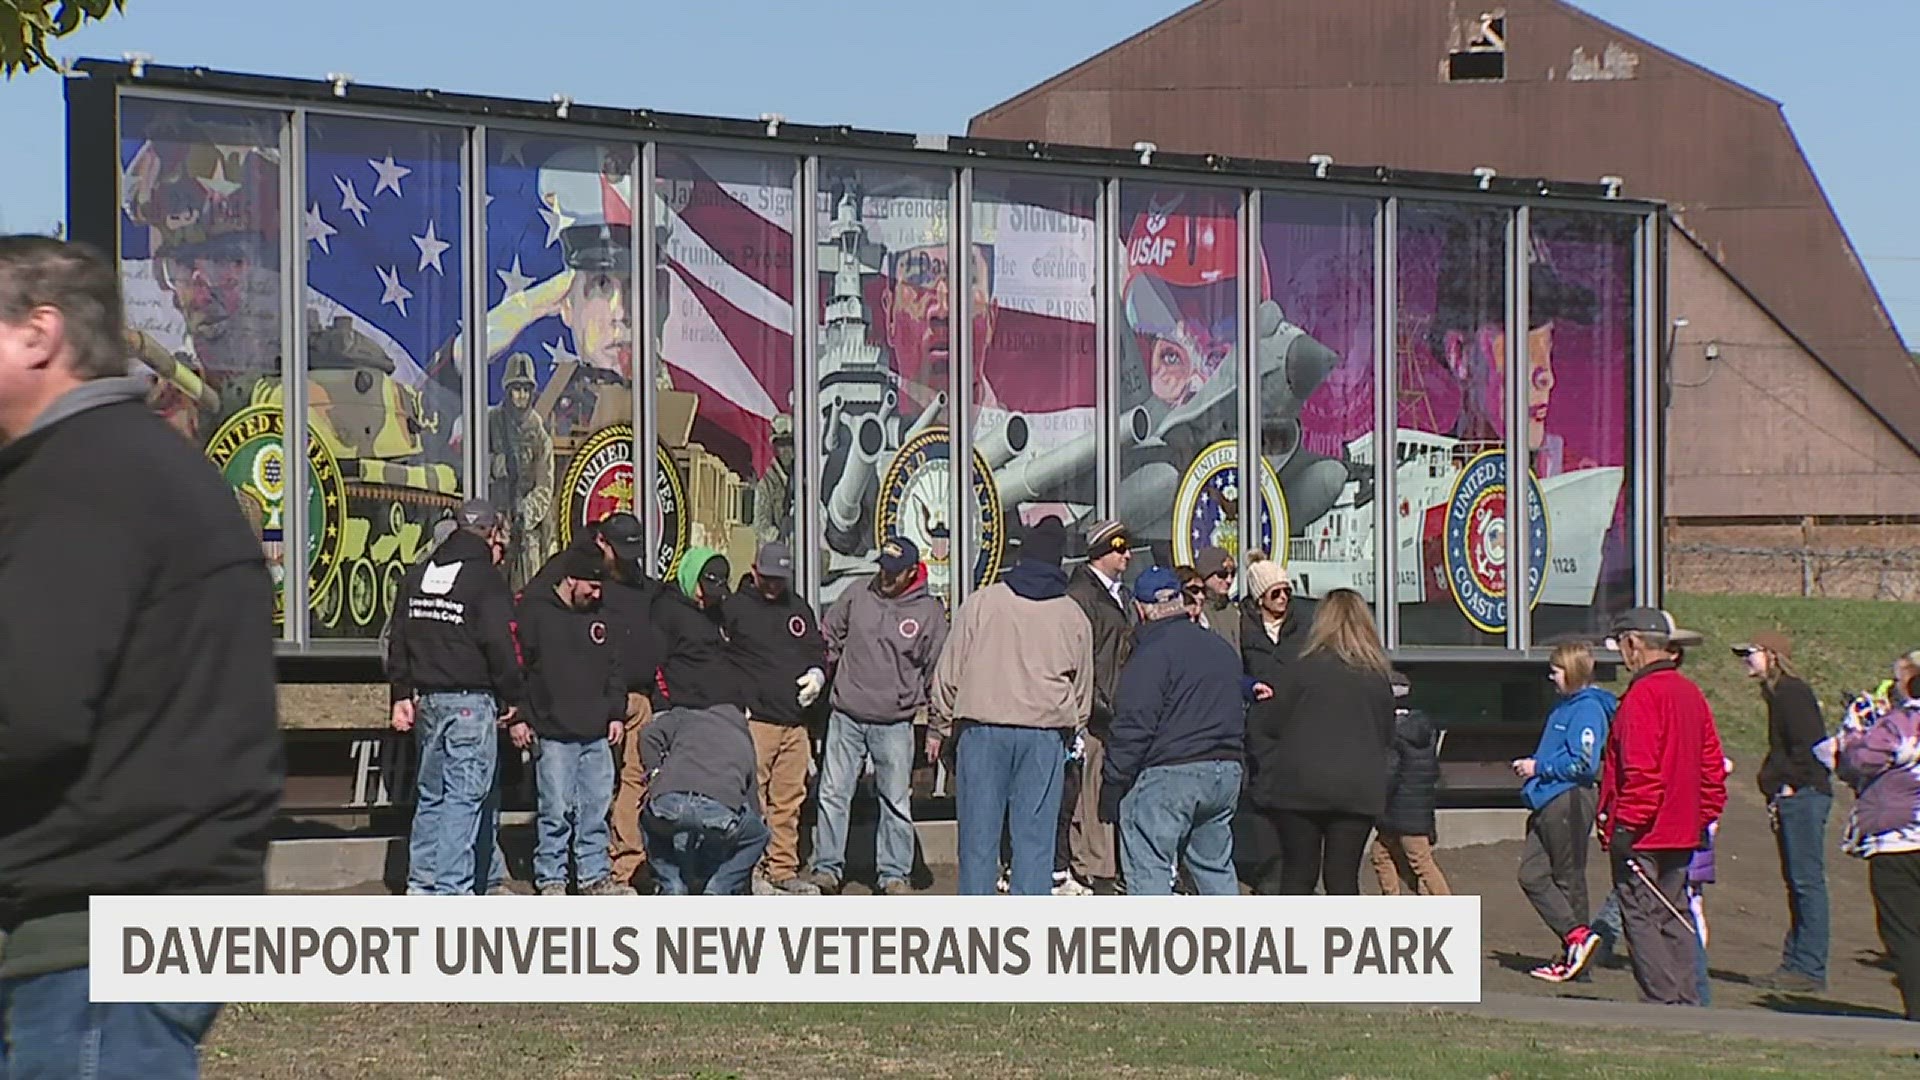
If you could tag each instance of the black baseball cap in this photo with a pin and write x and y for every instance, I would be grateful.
(625, 535)
(583, 564)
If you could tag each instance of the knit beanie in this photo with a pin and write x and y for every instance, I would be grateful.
(1263, 576)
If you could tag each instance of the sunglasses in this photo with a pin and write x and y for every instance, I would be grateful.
(1197, 594)
(1279, 592)
(1223, 574)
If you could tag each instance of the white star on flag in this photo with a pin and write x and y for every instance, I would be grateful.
(390, 176)
(557, 223)
(431, 248)
(513, 279)
(318, 230)
(218, 185)
(393, 292)
(559, 353)
(350, 201)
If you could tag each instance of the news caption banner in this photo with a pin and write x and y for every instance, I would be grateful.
(748, 949)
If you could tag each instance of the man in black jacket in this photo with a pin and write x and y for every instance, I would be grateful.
(1172, 772)
(455, 678)
(627, 597)
(139, 752)
(576, 706)
(782, 654)
(1084, 852)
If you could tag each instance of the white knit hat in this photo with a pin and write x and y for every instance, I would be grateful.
(1263, 576)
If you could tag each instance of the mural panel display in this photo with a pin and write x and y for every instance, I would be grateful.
(560, 338)
(1036, 372)
(1314, 357)
(883, 351)
(386, 363)
(725, 312)
(1580, 416)
(200, 273)
(1177, 388)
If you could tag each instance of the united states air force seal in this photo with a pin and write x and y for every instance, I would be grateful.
(914, 503)
(1476, 541)
(250, 451)
(600, 482)
(1206, 508)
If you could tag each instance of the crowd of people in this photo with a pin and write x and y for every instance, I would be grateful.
(1172, 734)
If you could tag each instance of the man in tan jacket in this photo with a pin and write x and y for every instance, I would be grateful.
(1013, 683)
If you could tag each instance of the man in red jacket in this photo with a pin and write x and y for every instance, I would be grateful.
(1662, 782)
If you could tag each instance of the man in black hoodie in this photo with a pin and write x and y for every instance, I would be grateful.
(576, 706)
(781, 652)
(138, 747)
(455, 678)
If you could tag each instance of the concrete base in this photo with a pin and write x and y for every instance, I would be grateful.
(325, 865)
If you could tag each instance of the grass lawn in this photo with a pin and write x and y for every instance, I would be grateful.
(1838, 645)
(422, 1042)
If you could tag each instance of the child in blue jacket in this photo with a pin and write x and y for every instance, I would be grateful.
(1561, 792)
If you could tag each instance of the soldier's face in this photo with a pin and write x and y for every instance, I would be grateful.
(231, 307)
(595, 309)
(1484, 383)
(520, 395)
(917, 306)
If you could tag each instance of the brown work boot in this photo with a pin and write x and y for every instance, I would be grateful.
(896, 887)
(607, 887)
(825, 882)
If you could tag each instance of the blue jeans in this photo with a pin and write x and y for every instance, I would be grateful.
(691, 836)
(575, 781)
(1008, 778)
(50, 1031)
(1802, 837)
(849, 744)
(452, 834)
(1176, 811)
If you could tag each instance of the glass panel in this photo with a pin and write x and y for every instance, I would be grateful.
(1450, 456)
(1316, 365)
(1580, 416)
(200, 269)
(1177, 394)
(1036, 363)
(883, 368)
(386, 280)
(560, 349)
(725, 408)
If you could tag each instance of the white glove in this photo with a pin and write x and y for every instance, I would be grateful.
(810, 686)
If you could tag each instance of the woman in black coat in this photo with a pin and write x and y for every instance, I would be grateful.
(1403, 844)
(1320, 749)
(1272, 629)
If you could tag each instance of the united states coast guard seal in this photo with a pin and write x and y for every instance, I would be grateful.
(250, 451)
(1207, 506)
(1476, 541)
(914, 504)
(600, 483)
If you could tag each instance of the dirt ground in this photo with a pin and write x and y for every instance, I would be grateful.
(1746, 919)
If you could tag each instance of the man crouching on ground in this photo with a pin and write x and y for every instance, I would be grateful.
(1013, 682)
(138, 748)
(577, 699)
(702, 818)
(1172, 771)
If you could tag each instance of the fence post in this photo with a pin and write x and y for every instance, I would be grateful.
(1806, 556)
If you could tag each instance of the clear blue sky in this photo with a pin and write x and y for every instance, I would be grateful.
(914, 65)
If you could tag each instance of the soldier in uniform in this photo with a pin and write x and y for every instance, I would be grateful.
(521, 456)
(773, 492)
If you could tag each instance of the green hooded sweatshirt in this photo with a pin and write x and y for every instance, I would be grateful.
(687, 574)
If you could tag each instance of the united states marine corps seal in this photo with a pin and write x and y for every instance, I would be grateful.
(913, 503)
(250, 451)
(600, 482)
(1206, 508)
(1476, 541)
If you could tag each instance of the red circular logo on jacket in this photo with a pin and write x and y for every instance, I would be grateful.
(797, 626)
(598, 632)
(909, 628)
